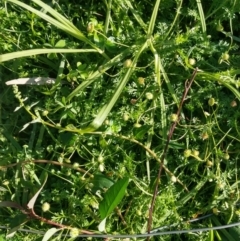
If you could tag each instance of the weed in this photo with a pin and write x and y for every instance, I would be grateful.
(81, 155)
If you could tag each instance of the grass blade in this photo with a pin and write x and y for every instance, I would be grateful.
(31, 203)
(153, 19)
(136, 15)
(201, 13)
(55, 14)
(50, 233)
(61, 23)
(117, 59)
(31, 52)
(103, 113)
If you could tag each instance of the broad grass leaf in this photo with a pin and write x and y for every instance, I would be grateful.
(234, 232)
(67, 138)
(224, 233)
(113, 197)
(102, 225)
(31, 203)
(228, 236)
(11, 205)
(12, 232)
(50, 233)
(16, 223)
(140, 132)
(101, 181)
(18, 220)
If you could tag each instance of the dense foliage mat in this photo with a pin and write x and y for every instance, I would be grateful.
(94, 88)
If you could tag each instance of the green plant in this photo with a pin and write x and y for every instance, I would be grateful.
(120, 69)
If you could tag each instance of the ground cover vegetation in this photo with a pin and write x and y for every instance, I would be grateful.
(91, 152)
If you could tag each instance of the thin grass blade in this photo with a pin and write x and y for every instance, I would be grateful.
(103, 113)
(60, 23)
(153, 19)
(31, 52)
(117, 59)
(55, 14)
(201, 14)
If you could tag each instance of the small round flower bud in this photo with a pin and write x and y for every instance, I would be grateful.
(215, 211)
(45, 207)
(50, 148)
(101, 167)
(149, 96)
(45, 113)
(173, 179)
(100, 159)
(187, 153)
(74, 232)
(204, 135)
(75, 165)
(6, 183)
(221, 185)
(219, 27)
(141, 80)
(226, 156)
(137, 125)
(195, 153)
(233, 103)
(106, 122)
(173, 117)
(211, 102)
(192, 61)
(133, 101)
(139, 213)
(225, 56)
(90, 28)
(125, 117)
(127, 63)
(209, 163)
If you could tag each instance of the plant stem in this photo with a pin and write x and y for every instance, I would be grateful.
(187, 88)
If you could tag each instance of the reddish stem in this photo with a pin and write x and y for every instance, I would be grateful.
(186, 89)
